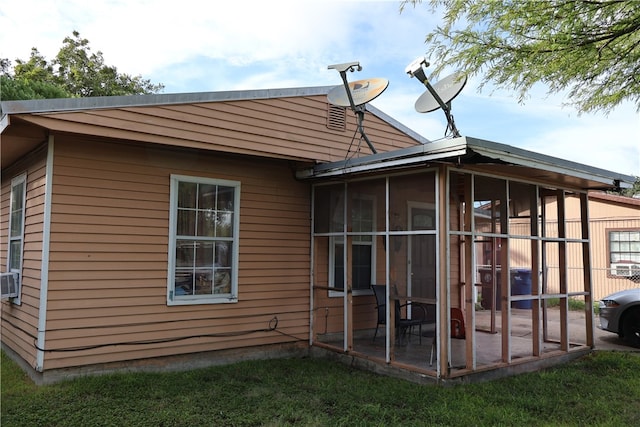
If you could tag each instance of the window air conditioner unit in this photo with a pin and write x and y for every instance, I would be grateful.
(9, 285)
(624, 269)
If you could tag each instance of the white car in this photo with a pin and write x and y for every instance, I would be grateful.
(620, 313)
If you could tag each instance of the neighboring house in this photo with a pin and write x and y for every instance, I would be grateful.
(614, 225)
(614, 232)
(166, 231)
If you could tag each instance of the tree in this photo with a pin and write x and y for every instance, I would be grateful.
(590, 48)
(36, 83)
(75, 72)
(634, 191)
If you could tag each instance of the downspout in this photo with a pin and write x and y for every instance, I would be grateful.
(44, 268)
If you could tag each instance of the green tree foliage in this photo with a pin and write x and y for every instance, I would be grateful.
(75, 72)
(634, 190)
(33, 79)
(589, 48)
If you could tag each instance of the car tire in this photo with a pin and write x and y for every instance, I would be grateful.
(631, 327)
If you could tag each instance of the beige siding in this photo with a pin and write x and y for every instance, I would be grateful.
(610, 207)
(109, 242)
(606, 213)
(289, 128)
(604, 283)
(20, 322)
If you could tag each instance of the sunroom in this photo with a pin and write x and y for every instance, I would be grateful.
(466, 245)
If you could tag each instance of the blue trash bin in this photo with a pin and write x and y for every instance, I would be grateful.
(521, 285)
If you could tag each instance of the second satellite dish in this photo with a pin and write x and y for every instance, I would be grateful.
(440, 94)
(447, 88)
(362, 91)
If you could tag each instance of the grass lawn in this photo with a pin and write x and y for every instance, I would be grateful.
(601, 389)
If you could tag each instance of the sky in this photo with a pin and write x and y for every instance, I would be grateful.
(204, 46)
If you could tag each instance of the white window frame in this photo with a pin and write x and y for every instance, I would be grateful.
(337, 240)
(624, 263)
(16, 181)
(232, 296)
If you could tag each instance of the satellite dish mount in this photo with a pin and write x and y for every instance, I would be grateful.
(439, 95)
(356, 94)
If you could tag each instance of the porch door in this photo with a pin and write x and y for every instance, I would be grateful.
(422, 251)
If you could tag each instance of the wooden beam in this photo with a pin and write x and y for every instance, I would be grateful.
(505, 310)
(586, 267)
(535, 264)
(444, 299)
(469, 303)
(562, 267)
(348, 287)
(505, 283)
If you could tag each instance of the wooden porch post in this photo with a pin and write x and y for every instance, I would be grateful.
(348, 287)
(444, 297)
(586, 266)
(562, 273)
(535, 263)
(505, 283)
(469, 279)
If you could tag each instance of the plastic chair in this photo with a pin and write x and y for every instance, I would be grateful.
(403, 324)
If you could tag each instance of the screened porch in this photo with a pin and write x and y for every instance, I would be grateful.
(447, 242)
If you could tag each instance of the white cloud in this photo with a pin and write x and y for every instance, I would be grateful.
(193, 46)
(605, 142)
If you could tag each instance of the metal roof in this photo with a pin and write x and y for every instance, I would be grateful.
(466, 149)
(101, 102)
(472, 151)
(36, 106)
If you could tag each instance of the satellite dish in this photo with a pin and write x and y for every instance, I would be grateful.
(362, 91)
(356, 94)
(440, 94)
(447, 88)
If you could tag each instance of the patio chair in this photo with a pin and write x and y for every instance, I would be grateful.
(404, 325)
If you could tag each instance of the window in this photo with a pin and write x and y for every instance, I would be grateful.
(624, 252)
(16, 226)
(362, 248)
(203, 249)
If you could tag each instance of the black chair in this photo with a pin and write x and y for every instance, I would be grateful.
(403, 324)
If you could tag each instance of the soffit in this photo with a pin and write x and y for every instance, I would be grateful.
(19, 139)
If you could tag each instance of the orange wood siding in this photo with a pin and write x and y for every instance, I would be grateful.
(109, 242)
(289, 128)
(20, 322)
